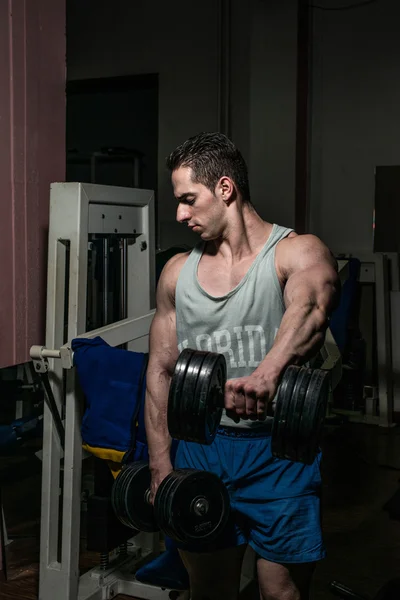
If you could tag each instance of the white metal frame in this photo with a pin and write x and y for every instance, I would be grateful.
(75, 211)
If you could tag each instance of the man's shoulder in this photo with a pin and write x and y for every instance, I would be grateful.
(303, 242)
(299, 251)
(170, 273)
(175, 264)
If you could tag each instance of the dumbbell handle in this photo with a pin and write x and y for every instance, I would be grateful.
(219, 396)
(199, 506)
(344, 592)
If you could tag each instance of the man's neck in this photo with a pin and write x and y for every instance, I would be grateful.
(245, 234)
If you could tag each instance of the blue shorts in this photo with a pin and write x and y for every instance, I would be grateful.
(275, 503)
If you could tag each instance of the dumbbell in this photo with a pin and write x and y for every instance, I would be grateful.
(189, 506)
(196, 402)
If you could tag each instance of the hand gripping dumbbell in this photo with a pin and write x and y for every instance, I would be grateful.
(189, 506)
(196, 402)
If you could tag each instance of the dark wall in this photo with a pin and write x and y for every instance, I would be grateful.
(113, 113)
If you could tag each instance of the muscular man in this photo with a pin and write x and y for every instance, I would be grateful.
(261, 295)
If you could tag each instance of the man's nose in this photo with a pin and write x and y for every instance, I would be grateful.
(182, 213)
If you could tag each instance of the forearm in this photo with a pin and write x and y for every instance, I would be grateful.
(156, 407)
(300, 336)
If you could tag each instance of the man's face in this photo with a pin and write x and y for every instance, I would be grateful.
(203, 211)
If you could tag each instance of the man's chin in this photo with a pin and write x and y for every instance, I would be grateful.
(207, 237)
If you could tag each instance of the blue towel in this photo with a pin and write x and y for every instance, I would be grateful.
(113, 381)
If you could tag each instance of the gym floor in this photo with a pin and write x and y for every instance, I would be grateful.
(361, 472)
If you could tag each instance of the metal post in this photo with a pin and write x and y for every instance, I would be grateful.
(105, 280)
(49, 559)
(388, 414)
(124, 279)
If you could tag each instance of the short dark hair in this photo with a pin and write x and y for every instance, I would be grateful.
(212, 156)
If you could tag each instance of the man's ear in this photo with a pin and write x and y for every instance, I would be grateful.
(225, 189)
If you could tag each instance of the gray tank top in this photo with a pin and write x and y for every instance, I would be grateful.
(242, 324)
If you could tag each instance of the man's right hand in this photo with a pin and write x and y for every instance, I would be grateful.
(158, 474)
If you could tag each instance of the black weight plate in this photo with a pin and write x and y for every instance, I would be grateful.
(140, 513)
(174, 506)
(116, 500)
(283, 400)
(161, 504)
(191, 427)
(191, 405)
(205, 487)
(118, 495)
(171, 524)
(319, 417)
(130, 469)
(294, 413)
(122, 506)
(313, 415)
(175, 393)
(209, 395)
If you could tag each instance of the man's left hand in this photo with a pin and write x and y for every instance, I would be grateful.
(248, 397)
